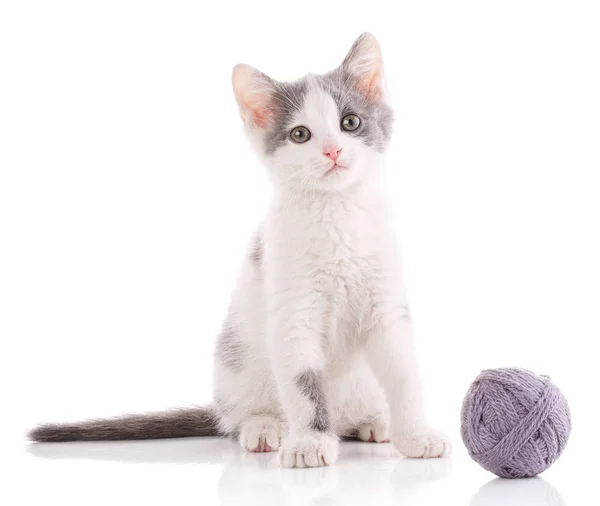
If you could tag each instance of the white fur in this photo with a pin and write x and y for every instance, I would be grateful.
(328, 296)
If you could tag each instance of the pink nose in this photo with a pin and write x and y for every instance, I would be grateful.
(332, 152)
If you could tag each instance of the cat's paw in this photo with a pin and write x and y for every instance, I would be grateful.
(310, 450)
(375, 431)
(261, 434)
(423, 443)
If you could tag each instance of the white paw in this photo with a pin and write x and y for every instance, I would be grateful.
(261, 434)
(423, 444)
(375, 431)
(310, 450)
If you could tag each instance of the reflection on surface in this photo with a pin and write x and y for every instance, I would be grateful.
(159, 451)
(523, 492)
(364, 474)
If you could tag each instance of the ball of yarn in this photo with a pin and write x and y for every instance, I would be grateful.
(514, 423)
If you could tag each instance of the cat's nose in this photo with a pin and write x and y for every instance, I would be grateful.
(332, 152)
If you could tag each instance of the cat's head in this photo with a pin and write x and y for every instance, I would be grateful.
(322, 131)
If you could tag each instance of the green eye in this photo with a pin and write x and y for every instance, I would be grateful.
(350, 122)
(300, 134)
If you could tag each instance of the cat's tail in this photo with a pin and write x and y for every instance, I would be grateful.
(188, 422)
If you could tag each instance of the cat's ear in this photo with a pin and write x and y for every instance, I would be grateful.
(254, 94)
(365, 63)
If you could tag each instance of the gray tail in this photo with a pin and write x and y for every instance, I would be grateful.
(189, 422)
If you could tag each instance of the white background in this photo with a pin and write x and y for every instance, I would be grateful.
(128, 192)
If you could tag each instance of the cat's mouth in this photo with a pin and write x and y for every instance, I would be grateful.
(335, 168)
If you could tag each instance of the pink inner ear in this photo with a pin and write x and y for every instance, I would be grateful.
(252, 90)
(261, 116)
(364, 61)
(369, 86)
(255, 108)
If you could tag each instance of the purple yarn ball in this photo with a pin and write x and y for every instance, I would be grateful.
(514, 423)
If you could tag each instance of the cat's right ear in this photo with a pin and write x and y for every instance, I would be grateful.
(365, 63)
(254, 94)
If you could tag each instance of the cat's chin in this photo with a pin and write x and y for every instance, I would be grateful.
(335, 182)
(337, 179)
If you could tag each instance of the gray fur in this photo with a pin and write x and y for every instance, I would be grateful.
(287, 99)
(256, 251)
(191, 422)
(230, 350)
(376, 116)
(310, 384)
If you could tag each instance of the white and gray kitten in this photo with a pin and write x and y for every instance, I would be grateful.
(318, 341)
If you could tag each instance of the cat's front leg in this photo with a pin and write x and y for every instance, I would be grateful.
(391, 353)
(298, 360)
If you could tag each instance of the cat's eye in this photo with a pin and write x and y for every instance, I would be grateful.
(350, 122)
(300, 134)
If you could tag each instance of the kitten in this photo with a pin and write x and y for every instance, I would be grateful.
(318, 341)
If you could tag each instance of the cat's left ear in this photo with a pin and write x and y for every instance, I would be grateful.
(254, 94)
(365, 63)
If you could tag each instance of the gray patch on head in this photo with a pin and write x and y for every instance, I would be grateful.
(287, 100)
(230, 350)
(310, 384)
(376, 116)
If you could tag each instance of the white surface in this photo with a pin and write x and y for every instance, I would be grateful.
(217, 471)
(127, 194)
